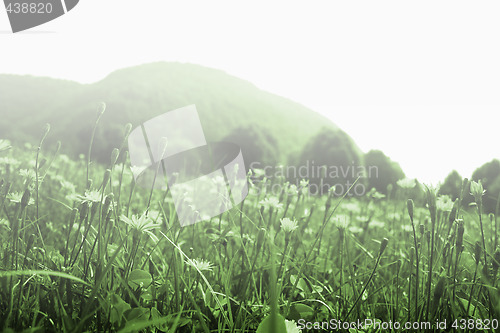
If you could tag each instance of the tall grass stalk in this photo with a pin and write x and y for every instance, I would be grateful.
(37, 171)
(311, 249)
(431, 202)
(477, 257)
(411, 208)
(100, 112)
(383, 246)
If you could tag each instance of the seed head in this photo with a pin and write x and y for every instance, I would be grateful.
(47, 130)
(496, 262)
(84, 210)
(114, 156)
(445, 251)
(74, 214)
(431, 202)
(107, 175)
(383, 245)
(453, 214)
(260, 239)
(101, 109)
(17, 197)
(439, 291)
(390, 187)
(410, 206)
(107, 203)
(460, 235)
(128, 129)
(477, 252)
(25, 200)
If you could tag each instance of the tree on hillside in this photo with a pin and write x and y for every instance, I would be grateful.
(452, 185)
(387, 171)
(330, 158)
(488, 174)
(258, 146)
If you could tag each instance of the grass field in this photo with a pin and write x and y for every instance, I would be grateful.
(83, 249)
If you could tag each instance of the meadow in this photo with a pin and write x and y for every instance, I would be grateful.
(82, 249)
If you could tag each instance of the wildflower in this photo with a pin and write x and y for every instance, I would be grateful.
(304, 186)
(220, 185)
(142, 224)
(331, 190)
(119, 167)
(291, 326)
(4, 145)
(154, 215)
(70, 187)
(258, 172)
(355, 230)
(90, 196)
(342, 222)
(137, 170)
(292, 190)
(444, 203)
(288, 225)
(407, 228)
(309, 231)
(4, 223)
(17, 197)
(407, 183)
(271, 202)
(9, 161)
(377, 195)
(377, 224)
(477, 190)
(64, 158)
(245, 238)
(200, 264)
(27, 173)
(394, 216)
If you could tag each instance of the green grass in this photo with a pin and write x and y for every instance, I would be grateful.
(89, 251)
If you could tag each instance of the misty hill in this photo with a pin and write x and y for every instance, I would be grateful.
(227, 106)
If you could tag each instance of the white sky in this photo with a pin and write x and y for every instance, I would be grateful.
(419, 80)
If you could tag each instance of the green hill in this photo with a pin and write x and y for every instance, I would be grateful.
(225, 104)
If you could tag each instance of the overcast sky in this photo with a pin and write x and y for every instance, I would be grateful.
(419, 80)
